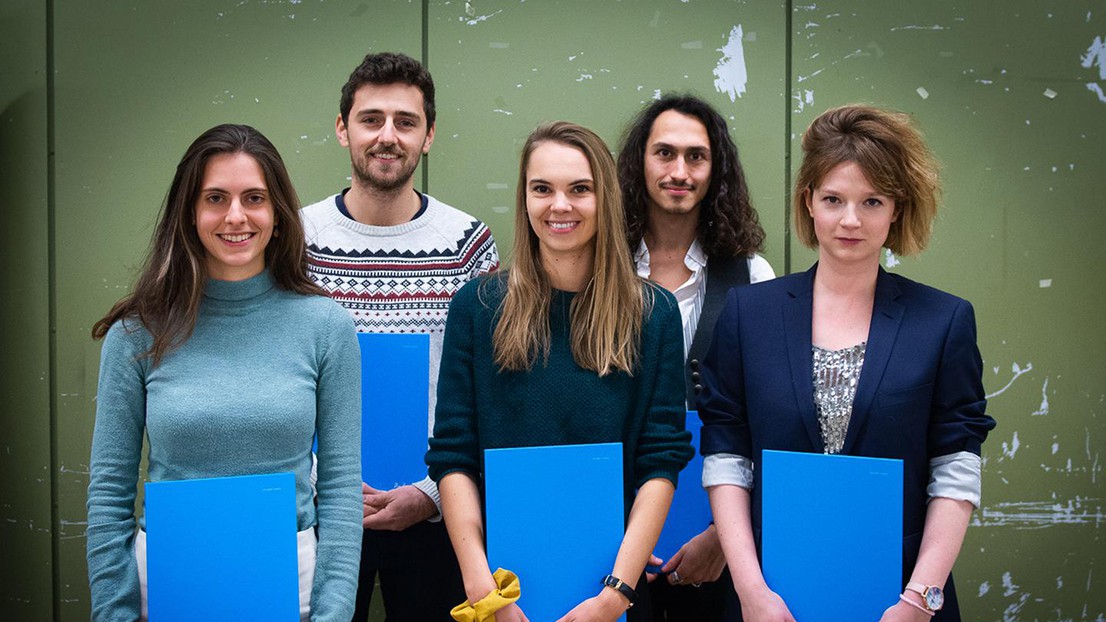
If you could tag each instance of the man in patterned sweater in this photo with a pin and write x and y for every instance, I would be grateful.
(394, 257)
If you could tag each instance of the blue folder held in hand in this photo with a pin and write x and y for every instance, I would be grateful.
(222, 549)
(554, 518)
(395, 402)
(832, 522)
(690, 511)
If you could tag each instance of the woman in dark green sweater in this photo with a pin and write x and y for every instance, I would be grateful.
(569, 346)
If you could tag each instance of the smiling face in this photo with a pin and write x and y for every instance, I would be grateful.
(677, 163)
(560, 203)
(386, 135)
(234, 217)
(851, 218)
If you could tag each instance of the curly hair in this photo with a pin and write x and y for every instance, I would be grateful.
(728, 224)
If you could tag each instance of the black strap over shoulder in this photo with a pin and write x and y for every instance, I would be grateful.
(722, 274)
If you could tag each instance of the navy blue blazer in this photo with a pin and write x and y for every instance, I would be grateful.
(920, 393)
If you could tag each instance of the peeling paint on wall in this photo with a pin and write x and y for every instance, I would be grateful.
(730, 73)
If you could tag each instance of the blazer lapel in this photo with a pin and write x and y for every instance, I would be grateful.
(887, 315)
(797, 317)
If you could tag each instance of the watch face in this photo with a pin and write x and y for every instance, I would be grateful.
(934, 598)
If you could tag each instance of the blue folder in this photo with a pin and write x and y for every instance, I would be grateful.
(690, 512)
(832, 522)
(555, 518)
(395, 402)
(222, 549)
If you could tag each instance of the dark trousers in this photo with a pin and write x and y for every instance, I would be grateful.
(419, 576)
(710, 602)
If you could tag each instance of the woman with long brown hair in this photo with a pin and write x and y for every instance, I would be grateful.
(567, 346)
(230, 361)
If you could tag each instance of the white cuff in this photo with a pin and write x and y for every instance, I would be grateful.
(431, 489)
(956, 476)
(719, 469)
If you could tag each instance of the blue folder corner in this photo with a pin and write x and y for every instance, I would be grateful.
(395, 403)
(832, 520)
(555, 518)
(222, 549)
(690, 511)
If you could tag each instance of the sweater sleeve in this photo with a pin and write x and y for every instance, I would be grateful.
(338, 425)
(454, 445)
(113, 475)
(664, 447)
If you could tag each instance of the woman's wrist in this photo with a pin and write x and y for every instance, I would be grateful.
(478, 589)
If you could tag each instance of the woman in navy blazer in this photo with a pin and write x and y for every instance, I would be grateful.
(847, 358)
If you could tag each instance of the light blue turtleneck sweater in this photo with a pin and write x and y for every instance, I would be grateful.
(263, 372)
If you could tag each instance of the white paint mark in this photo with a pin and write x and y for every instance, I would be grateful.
(1045, 283)
(481, 18)
(982, 81)
(1059, 583)
(495, 186)
(1011, 448)
(584, 76)
(889, 259)
(914, 27)
(1008, 584)
(1055, 448)
(1041, 514)
(692, 45)
(1049, 93)
(656, 93)
(1043, 408)
(1018, 371)
(573, 57)
(1096, 55)
(502, 111)
(802, 100)
(1097, 90)
(500, 209)
(984, 588)
(805, 78)
(499, 45)
(730, 74)
(922, 92)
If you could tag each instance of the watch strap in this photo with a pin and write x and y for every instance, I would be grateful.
(615, 583)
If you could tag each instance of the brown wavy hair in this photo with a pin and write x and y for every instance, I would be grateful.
(728, 224)
(894, 157)
(166, 297)
(607, 316)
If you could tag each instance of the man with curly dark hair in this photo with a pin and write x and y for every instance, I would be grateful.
(692, 230)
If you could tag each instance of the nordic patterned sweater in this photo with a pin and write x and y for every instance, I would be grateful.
(263, 371)
(558, 402)
(398, 279)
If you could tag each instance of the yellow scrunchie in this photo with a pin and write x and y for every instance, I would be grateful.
(483, 610)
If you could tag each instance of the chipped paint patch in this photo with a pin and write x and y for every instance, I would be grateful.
(1097, 90)
(984, 588)
(1041, 514)
(730, 73)
(1018, 372)
(1045, 282)
(1011, 448)
(916, 27)
(889, 259)
(922, 92)
(1049, 93)
(1043, 408)
(802, 100)
(1096, 55)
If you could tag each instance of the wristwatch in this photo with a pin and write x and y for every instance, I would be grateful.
(612, 581)
(932, 596)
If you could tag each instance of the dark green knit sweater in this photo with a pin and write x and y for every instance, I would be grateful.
(558, 402)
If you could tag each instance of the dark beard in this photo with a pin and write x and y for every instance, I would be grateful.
(385, 184)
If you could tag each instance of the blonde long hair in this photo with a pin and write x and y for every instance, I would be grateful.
(607, 316)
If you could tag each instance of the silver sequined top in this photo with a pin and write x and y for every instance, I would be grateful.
(836, 373)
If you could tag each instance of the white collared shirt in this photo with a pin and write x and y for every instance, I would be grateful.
(691, 294)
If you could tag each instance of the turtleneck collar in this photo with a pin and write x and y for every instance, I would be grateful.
(235, 291)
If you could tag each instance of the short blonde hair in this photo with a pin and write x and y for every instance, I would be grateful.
(894, 157)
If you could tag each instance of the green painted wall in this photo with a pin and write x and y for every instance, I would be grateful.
(1009, 94)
